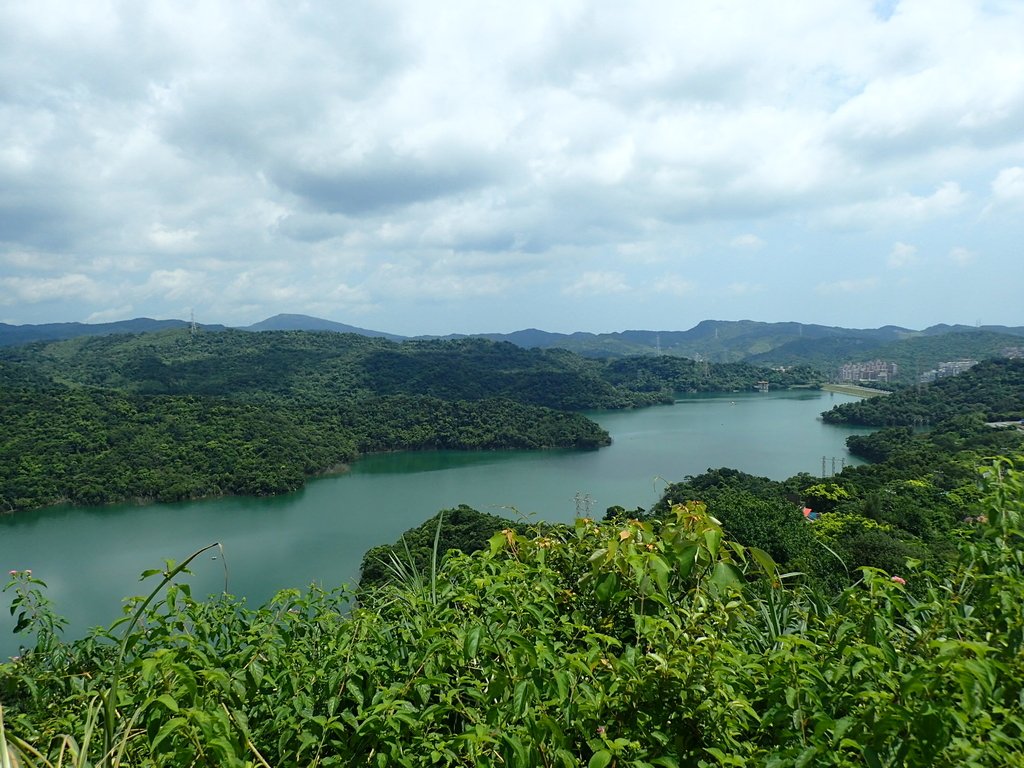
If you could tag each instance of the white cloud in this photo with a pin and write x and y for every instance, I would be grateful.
(861, 285)
(744, 289)
(962, 257)
(111, 315)
(674, 285)
(33, 290)
(33, 260)
(749, 241)
(176, 284)
(597, 284)
(166, 238)
(252, 157)
(900, 209)
(903, 255)
(1008, 186)
(410, 281)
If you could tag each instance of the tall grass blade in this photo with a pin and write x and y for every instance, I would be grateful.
(433, 559)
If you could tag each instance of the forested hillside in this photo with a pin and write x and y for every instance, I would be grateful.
(913, 355)
(89, 446)
(176, 415)
(655, 373)
(301, 364)
(993, 389)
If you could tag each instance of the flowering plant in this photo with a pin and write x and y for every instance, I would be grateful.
(34, 610)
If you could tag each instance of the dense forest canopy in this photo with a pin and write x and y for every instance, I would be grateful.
(993, 389)
(301, 364)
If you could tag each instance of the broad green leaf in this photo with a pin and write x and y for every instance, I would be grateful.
(871, 758)
(562, 684)
(471, 644)
(661, 571)
(601, 759)
(497, 542)
(166, 730)
(713, 539)
(686, 559)
(606, 586)
(520, 698)
(764, 560)
(521, 756)
(168, 701)
(726, 575)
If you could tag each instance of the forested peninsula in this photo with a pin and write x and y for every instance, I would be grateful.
(176, 414)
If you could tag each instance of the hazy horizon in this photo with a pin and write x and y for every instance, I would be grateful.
(214, 322)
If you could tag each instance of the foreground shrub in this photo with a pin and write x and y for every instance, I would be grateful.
(638, 643)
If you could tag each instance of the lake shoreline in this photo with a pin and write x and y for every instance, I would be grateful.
(854, 389)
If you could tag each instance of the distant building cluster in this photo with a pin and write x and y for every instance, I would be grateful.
(874, 370)
(951, 368)
(1012, 352)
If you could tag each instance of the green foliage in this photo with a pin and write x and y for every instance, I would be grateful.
(91, 446)
(462, 529)
(994, 389)
(877, 520)
(677, 374)
(645, 643)
(34, 611)
(824, 497)
(916, 355)
(943, 456)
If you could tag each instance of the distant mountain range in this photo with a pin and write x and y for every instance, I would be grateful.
(787, 343)
(713, 340)
(16, 335)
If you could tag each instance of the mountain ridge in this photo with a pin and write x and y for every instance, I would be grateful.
(765, 343)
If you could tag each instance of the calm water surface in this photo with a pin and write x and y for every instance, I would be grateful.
(91, 557)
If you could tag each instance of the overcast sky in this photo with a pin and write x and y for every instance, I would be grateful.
(435, 167)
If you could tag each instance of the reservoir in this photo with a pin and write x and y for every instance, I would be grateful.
(91, 557)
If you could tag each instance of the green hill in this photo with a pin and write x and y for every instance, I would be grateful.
(993, 390)
(914, 355)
